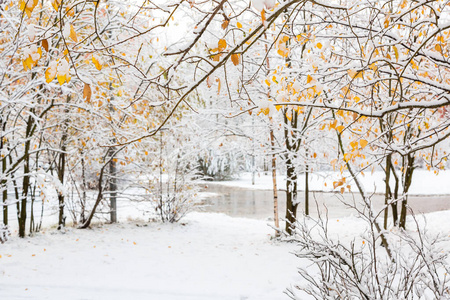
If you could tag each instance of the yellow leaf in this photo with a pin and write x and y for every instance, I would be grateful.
(438, 48)
(283, 52)
(333, 124)
(355, 74)
(27, 63)
(396, 53)
(340, 128)
(309, 79)
(96, 63)
(363, 143)
(373, 67)
(239, 25)
(319, 45)
(235, 58)
(56, 4)
(222, 44)
(50, 74)
(61, 79)
(70, 11)
(27, 6)
(73, 34)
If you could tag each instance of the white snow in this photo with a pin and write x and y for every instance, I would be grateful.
(423, 182)
(207, 256)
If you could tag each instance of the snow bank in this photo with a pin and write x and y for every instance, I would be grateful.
(423, 182)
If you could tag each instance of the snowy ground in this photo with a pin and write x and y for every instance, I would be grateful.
(206, 256)
(423, 182)
(209, 256)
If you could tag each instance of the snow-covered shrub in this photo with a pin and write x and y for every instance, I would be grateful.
(4, 233)
(413, 266)
(174, 204)
(215, 165)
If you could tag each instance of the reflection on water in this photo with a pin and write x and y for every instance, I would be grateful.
(258, 204)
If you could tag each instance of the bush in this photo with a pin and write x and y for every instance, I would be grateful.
(414, 267)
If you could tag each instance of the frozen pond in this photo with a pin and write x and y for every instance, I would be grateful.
(258, 204)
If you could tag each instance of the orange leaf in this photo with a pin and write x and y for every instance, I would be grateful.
(216, 57)
(218, 87)
(363, 143)
(73, 34)
(263, 15)
(87, 92)
(225, 24)
(239, 25)
(222, 44)
(235, 58)
(45, 45)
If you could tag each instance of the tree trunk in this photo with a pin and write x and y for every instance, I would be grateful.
(307, 191)
(274, 180)
(4, 183)
(83, 198)
(61, 173)
(97, 202)
(22, 203)
(406, 184)
(291, 197)
(394, 204)
(113, 188)
(387, 190)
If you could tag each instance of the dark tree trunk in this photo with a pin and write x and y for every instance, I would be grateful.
(3, 183)
(394, 204)
(22, 204)
(113, 188)
(406, 184)
(307, 191)
(387, 190)
(61, 173)
(291, 197)
(83, 198)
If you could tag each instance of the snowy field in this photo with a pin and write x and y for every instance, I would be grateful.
(205, 256)
(423, 182)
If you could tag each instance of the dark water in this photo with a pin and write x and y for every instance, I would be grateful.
(258, 204)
